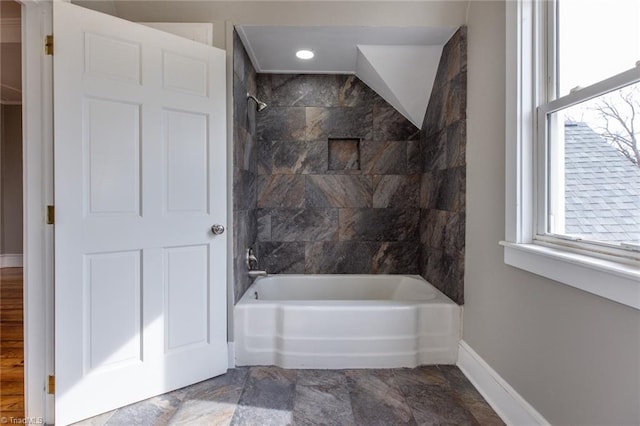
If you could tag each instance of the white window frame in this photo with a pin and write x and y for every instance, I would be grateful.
(615, 276)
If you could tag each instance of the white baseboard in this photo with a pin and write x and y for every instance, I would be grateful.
(10, 260)
(231, 350)
(512, 408)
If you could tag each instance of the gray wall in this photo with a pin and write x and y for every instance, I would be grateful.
(297, 13)
(339, 178)
(11, 179)
(574, 356)
(245, 165)
(443, 140)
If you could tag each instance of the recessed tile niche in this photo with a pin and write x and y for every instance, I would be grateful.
(344, 154)
(337, 193)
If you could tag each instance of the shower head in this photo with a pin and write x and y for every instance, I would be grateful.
(259, 104)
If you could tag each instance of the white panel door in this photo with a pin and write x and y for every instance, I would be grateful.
(140, 142)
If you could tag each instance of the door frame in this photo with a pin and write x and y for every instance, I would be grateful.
(37, 127)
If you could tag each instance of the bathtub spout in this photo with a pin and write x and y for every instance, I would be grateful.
(255, 274)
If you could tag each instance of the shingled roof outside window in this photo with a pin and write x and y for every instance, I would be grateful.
(602, 188)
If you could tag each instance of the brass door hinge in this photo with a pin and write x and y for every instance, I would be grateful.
(48, 45)
(51, 384)
(51, 215)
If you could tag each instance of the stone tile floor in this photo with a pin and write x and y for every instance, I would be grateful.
(428, 395)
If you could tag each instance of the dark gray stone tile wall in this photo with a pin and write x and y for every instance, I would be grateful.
(443, 140)
(245, 165)
(385, 198)
(339, 175)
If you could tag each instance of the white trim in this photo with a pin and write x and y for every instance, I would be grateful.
(612, 280)
(519, 102)
(610, 84)
(249, 50)
(512, 408)
(231, 350)
(10, 260)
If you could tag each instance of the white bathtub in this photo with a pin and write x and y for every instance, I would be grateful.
(345, 321)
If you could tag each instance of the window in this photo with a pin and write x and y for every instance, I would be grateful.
(593, 173)
(573, 136)
(589, 137)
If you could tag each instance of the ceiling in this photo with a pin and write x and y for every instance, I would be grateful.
(399, 63)
(272, 48)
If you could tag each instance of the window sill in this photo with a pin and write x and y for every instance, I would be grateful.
(615, 281)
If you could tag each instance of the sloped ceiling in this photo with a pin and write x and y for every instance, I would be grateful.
(399, 63)
(404, 76)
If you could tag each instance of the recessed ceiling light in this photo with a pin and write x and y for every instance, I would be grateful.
(305, 54)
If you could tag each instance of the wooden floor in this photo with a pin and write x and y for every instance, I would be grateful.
(11, 344)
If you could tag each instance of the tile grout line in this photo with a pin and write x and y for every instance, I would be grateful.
(244, 385)
(109, 418)
(295, 398)
(403, 395)
(349, 388)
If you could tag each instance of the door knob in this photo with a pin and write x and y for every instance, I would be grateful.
(217, 229)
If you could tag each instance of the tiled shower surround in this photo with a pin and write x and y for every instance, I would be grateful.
(338, 178)
(245, 165)
(443, 139)
(330, 178)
